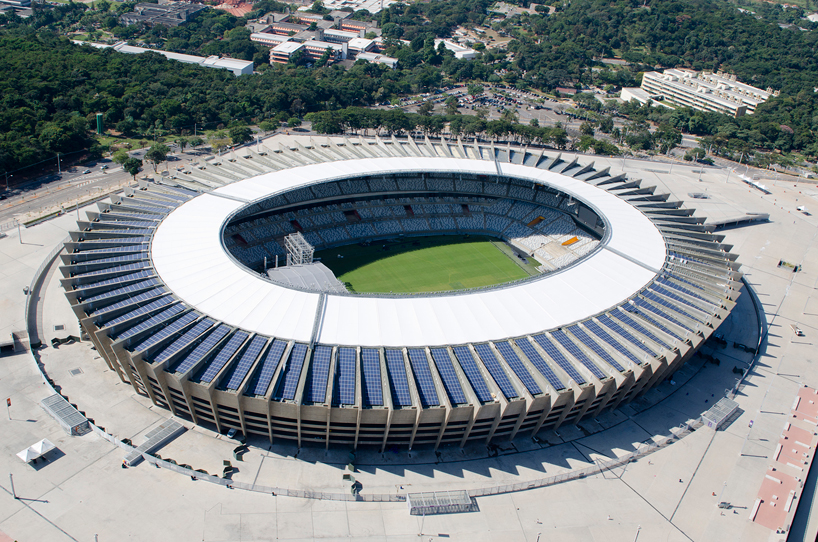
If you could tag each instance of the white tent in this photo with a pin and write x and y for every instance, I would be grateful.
(43, 447)
(28, 455)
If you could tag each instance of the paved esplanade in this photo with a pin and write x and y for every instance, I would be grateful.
(82, 491)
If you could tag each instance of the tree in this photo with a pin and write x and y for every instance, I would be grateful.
(586, 128)
(156, 155)
(240, 134)
(451, 105)
(196, 142)
(132, 165)
(475, 89)
(292, 122)
(426, 108)
(509, 115)
(120, 157)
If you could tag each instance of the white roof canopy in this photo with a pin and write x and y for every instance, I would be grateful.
(189, 256)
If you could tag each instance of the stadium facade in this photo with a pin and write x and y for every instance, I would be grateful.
(168, 282)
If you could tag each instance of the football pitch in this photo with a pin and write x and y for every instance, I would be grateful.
(423, 264)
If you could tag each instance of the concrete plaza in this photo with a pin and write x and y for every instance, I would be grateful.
(82, 491)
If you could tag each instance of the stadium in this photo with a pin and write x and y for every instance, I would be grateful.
(465, 293)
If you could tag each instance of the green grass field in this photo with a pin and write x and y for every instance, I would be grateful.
(423, 264)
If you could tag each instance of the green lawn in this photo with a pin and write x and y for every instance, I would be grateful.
(422, 264)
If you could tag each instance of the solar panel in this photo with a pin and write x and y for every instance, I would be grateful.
(141, 207)
(246, 360)
(116, 250)
(200, 352)
(119, 259)
(397, 378)
(473, 374)
(118, 240)
(268, 368)
(316, 385)
(116, 280)
(117, 269)
(610, 324)
(624, 317)
(154, 320)
(144, 296)
(680, 279)
(224, 356)
(291, 373)
(144, 309)
(345, 377)
(578, 354)
(651, 320)
(669, 305)
(600, 332)
(423, 377)
(180, 343)
(448, 375)
(517, 366)
(495, 370)
(684, 290)
(371, 377)
(126, 223)
(645, 306)
(667, 293)
(535, 358)
(131, 288)
(121, 231)
(585, 339)
(167, 330)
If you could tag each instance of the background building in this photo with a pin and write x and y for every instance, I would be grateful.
(705, 91)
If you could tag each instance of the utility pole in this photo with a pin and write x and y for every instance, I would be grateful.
(19, 232)
(59, 171)
(13, 493)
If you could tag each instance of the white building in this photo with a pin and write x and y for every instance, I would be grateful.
(704, 91)
(268, 40)
(238, 67)
(460, 51)
(378, 59)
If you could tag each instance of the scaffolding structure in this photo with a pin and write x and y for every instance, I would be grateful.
(299, 251)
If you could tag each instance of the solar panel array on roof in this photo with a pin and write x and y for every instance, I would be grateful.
(144, 296)
(371, 377)
(139, 256)
(624, 317)
(268, 368)
(292, 371)
(117, 250)
(644, 306)
(119, 269)
(149, 323)
(200, 352)
(224, 355)
(117, 241)
(472, 372)
(315, 390)
(398, 383)
(670, 305)
(535, 358)
(423, 377)
(585, 339)
(517, 366)
(144, 309)
(345, 377)
(127, 223)
(495, 370)
(240, 370)
(578, 354)
(116, 280)
(448, 375)
(656, 287)
(166, 331)
(131, 288)
(632, 309)
(178, 344)
(678, 288)
(622, 332)
(608, 339)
